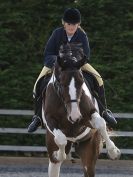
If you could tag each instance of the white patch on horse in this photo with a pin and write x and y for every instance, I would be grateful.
(45, 122)
(54, 169)
(82, 135)
(100, 146)
(52, 79)
(61, 141)
(60, 138)
(86, 90)
(75, 112)
(99, 123)
(88, 93)
(96, 105)
(85, 167)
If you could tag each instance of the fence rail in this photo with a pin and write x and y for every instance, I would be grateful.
(30, 113)
(20, 113)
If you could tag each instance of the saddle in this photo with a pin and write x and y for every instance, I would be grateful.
(90, 81)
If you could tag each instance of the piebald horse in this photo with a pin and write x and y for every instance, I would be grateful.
(71, 116)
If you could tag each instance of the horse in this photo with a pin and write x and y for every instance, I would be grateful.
(71, 116)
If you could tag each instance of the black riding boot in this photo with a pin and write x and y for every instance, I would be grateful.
(105, 113)
(99, 94)
(37, 118)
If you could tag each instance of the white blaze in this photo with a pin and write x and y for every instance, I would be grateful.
(75, 112)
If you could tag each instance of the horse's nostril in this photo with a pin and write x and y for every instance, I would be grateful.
(79, 118)
(70, 118)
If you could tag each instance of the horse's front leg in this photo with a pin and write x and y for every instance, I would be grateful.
(89, 151)
(56, 143)
(99, 123)
(61, 141)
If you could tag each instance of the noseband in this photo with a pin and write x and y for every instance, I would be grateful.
(71, 101)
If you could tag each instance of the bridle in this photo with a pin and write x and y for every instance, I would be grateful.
(58, 89)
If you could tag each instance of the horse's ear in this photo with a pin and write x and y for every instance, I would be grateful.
(60, 61)
(81, 62)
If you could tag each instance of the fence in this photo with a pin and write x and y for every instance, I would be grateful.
(20, 113)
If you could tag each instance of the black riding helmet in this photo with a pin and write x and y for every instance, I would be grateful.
(72, 15)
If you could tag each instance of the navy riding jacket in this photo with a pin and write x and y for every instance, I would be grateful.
(59, 37)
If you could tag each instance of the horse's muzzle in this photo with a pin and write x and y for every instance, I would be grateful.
(75, 119)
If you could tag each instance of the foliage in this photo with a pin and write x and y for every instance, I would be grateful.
(25, 27)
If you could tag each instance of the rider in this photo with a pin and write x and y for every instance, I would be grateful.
(71, 32)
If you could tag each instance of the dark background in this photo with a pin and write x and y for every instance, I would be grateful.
(25, 26)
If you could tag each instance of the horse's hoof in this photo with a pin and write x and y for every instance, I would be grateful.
(114, 154)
